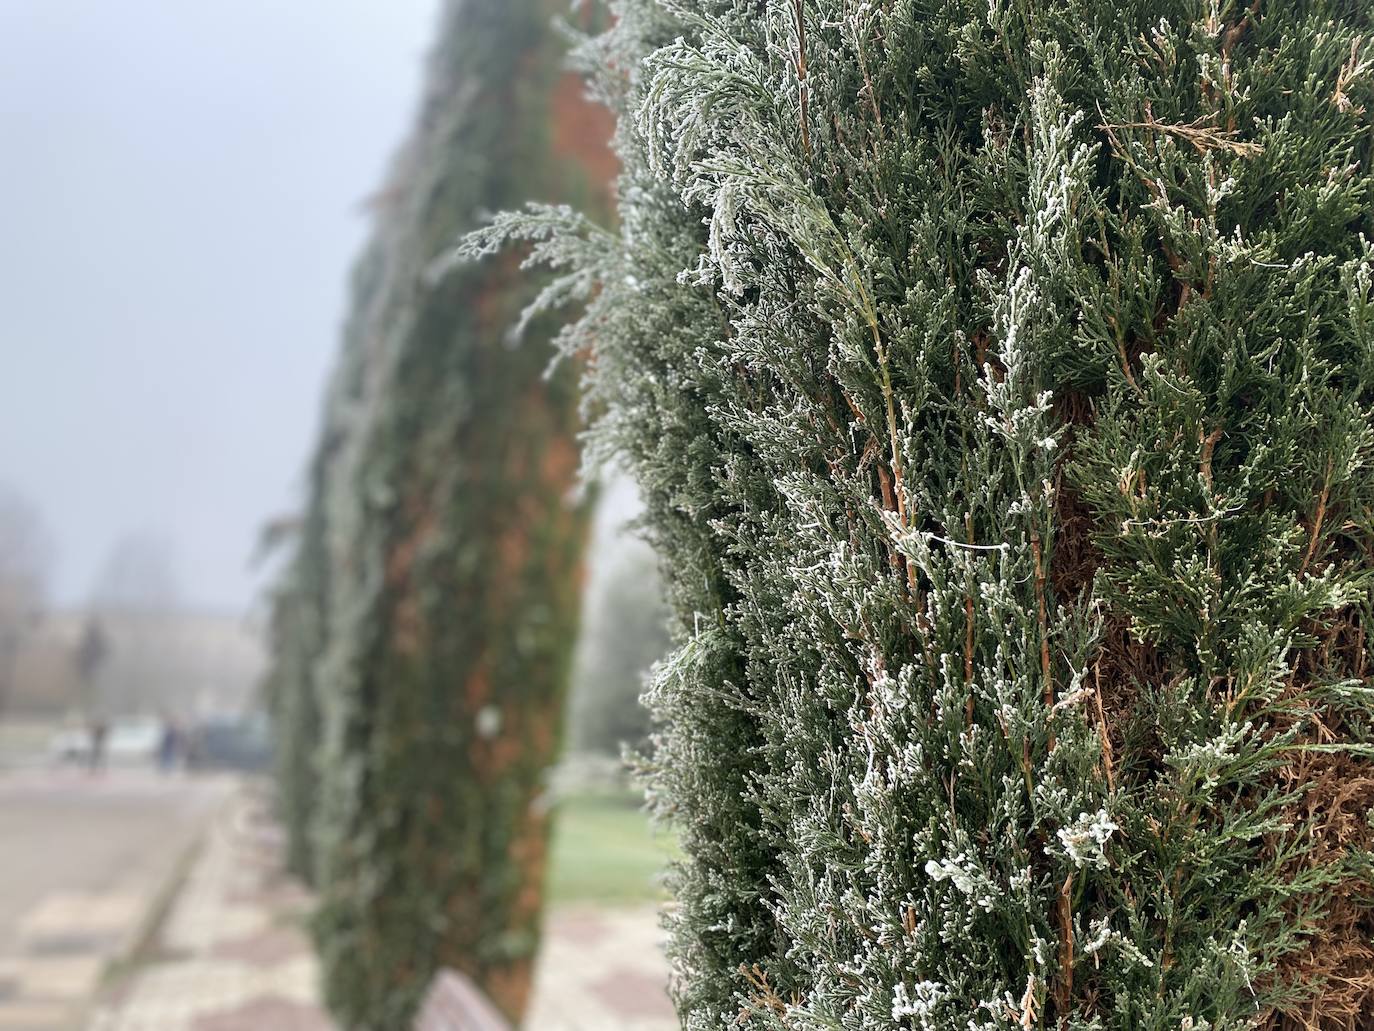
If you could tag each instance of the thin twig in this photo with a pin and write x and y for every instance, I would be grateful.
(1203, 137)
(1349, 72)
(1107, 761)
(1317, 519)
(1064, 988)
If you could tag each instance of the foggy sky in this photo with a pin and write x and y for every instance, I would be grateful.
(180, 188)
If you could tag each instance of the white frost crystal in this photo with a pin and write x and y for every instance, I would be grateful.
(1084, 839)
(919, 1001)
(949, 869)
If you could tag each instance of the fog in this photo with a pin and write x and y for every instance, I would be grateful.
(183, 188)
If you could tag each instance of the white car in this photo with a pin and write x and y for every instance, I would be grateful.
(72, 745)
(127, 742)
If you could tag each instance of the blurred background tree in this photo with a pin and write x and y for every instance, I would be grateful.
(25, 560)
(624, 632)
(138, 573)
(425, 631)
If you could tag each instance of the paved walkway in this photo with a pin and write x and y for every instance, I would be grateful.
(232, 955)
(83, 860)
(602, 970)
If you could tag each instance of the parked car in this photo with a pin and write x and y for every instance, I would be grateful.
(128, 742)
(71, 745)
(230, 743)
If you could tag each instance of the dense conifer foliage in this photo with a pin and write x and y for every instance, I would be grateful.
(425, 631)
(299, 630)
(998, 376)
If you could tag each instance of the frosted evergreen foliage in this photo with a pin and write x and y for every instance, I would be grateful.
(301, 604)
(998, 377)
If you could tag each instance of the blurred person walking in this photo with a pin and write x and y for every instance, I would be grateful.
(100, 732)
(171, 746)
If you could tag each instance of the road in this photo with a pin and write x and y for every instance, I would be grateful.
(83, 859)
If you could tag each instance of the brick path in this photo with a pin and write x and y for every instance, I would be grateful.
(232, 955)
(82, 862)
(601, 970)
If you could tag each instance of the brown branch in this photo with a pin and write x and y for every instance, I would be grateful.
(1346, 78)
(1063, 991)
(1236, 31)
(766, 996)
(1202, 137)
(1317, 520)
(1107, 760)
(1126, 365)
(900, 564)
(1205, 466)
(1025, 1019)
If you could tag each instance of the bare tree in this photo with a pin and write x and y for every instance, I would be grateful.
(25, 560)
(139, 573)
(129, 659)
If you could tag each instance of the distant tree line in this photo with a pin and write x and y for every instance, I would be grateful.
(25, 555)
(624, 632)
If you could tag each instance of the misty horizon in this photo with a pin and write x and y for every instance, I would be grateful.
(184, 189)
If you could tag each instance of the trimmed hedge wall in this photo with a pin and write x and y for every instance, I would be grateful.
(998, 377)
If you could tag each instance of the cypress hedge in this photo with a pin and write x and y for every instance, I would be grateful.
(298, 631)
(998, 377)
(426, 627)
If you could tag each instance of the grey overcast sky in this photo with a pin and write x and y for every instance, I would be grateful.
(180, 183)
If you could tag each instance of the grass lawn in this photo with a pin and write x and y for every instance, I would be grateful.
(604, 852)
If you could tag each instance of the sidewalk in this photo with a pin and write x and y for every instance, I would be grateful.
(232, 954)
(601, 970)
(84, 862)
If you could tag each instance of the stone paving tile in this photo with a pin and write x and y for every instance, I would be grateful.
(234, 957)
(65, 978)
(86, 858)
(632, 995)
(36, 1016)
(273, 946)
(582, 927)
(80, 922)
(65, 941)
(276, 1014)
(277, 893)
(602, 970)
(177, 996)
